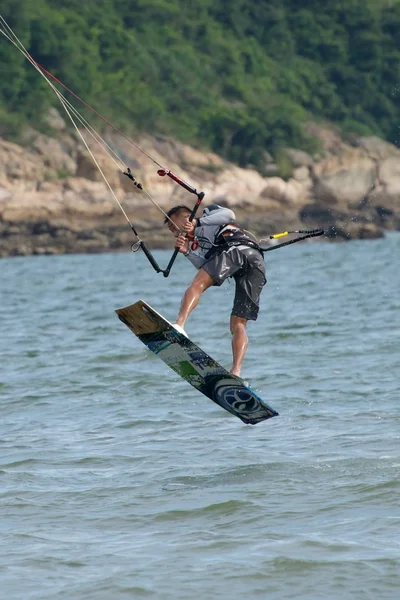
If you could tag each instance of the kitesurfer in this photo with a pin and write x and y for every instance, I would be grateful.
(219, 248)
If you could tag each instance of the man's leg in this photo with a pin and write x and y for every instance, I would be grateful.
(240, 342)
(191, 298)
(249, 284)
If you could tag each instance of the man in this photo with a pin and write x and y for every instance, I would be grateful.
(219, 249)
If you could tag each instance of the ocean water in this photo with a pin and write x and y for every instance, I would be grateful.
(119, 480)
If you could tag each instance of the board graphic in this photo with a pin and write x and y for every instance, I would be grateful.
(194, 365)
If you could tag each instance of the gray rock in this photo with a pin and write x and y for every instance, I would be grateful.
(54, 119)
(298, 158)
(378, 149)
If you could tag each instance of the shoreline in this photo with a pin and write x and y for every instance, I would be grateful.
(54, 201)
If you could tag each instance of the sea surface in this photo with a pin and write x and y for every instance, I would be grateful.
(118, 480)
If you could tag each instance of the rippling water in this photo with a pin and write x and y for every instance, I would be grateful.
(119, 480)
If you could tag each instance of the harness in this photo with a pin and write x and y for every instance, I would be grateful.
(231, 235)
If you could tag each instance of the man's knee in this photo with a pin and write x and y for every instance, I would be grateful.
(237, 324)
(202, 281)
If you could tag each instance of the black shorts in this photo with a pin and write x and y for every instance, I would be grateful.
(246, 265)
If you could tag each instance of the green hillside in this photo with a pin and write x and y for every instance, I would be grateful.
(236, 76)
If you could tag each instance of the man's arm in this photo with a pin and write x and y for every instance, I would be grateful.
(195, 259)
(183, 245)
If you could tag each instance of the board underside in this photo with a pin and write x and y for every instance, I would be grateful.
(194, 365)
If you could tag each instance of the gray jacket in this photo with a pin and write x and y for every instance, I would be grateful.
(207, 229)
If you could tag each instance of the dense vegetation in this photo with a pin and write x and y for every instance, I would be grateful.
(237, 76)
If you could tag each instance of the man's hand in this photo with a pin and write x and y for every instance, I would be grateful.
(182, 243)
(189, 226)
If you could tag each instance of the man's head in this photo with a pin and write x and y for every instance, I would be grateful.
(178, 215)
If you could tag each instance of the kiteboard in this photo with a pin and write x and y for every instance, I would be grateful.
(193, 364)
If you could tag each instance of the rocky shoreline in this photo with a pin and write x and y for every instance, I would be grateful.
(53, 199)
